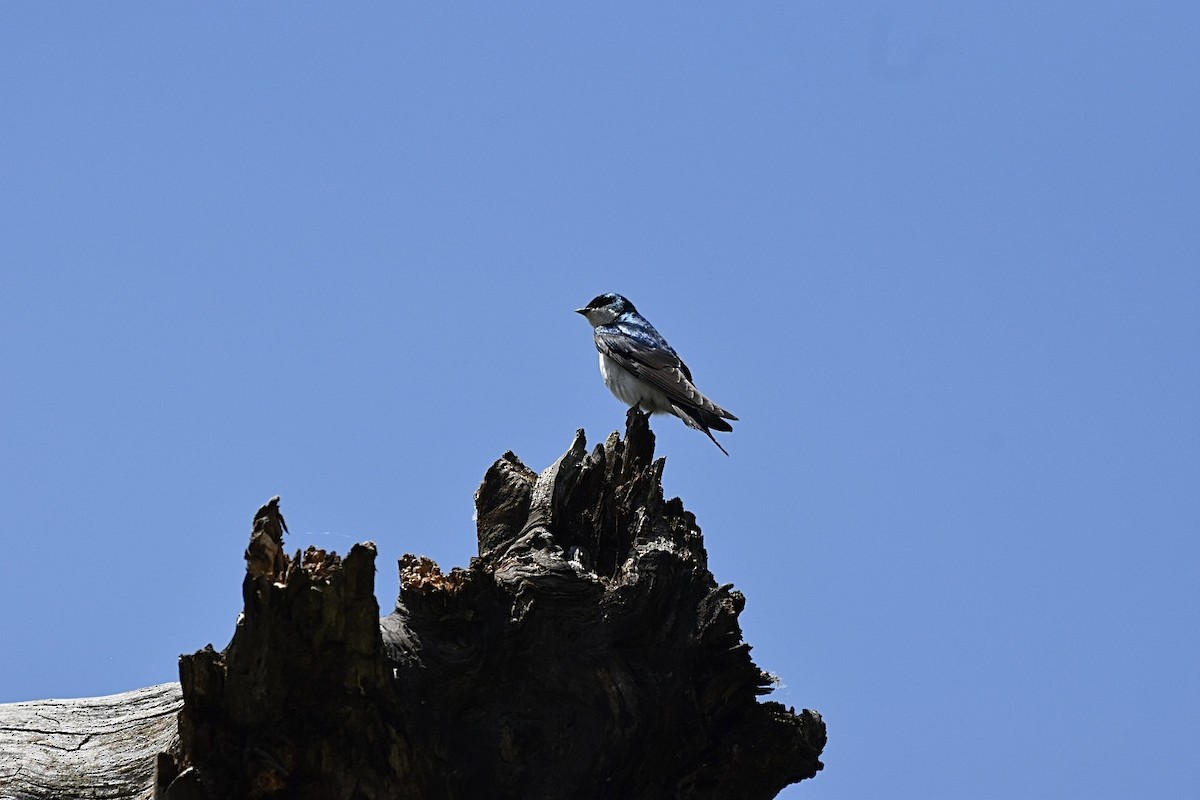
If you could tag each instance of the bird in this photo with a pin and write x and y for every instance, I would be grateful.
(642, 370)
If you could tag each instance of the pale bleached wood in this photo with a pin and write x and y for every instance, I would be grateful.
(89, 747)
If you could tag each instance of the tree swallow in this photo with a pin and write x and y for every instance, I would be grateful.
(641, 369)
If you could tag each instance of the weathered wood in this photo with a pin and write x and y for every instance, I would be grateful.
(587, 652)
(92, 747)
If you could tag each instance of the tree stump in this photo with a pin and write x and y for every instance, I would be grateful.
(587, 652)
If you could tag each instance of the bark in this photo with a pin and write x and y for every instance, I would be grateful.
(587, 652)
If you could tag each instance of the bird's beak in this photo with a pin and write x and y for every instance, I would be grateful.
(581, 311)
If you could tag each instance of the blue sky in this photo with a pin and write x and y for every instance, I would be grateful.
(941, 259)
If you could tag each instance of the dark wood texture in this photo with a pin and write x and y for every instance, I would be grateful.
(587, 652)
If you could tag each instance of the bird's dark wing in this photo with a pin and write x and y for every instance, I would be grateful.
(652, 360)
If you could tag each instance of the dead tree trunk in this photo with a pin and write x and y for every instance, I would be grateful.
(586, 652)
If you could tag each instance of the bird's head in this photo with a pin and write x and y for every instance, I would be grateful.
(605, 308)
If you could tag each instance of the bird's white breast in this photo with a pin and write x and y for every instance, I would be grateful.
(631, 391)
